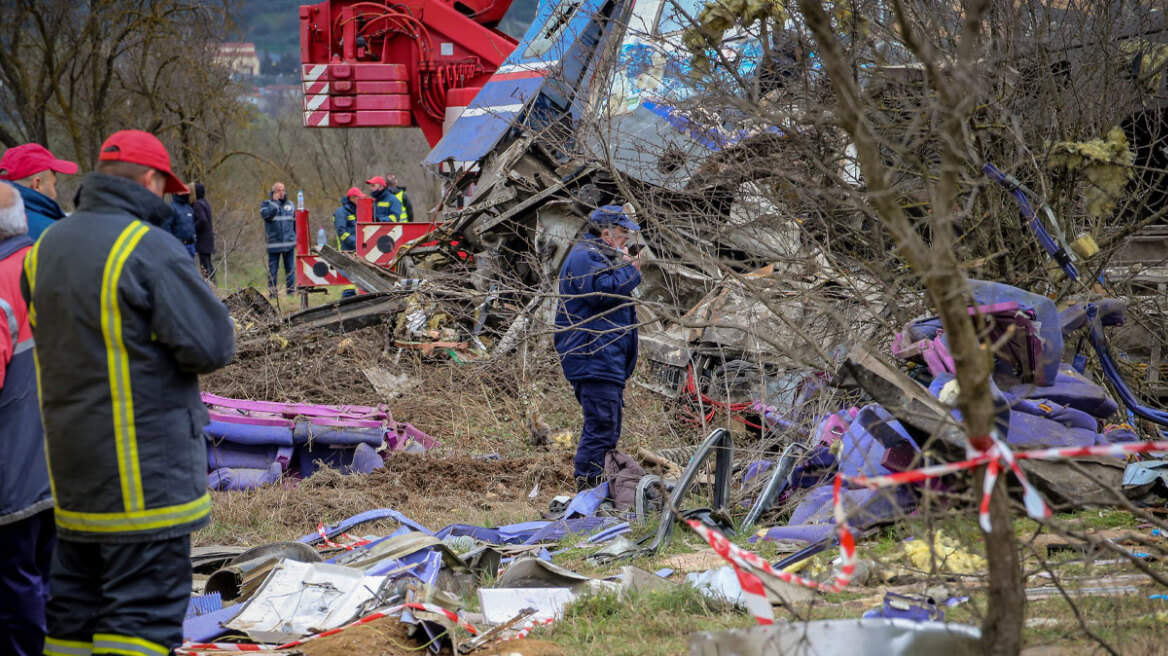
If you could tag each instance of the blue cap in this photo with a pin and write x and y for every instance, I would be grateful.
(610, 215)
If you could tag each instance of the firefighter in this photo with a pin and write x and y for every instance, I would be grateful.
(124, 325)
(407, 208)
(596, 333)
(386, 206)
(345, 220)
(26, 515)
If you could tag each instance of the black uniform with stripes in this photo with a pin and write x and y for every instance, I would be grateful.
(124, 324)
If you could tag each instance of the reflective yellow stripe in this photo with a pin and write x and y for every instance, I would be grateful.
(401, 198)
(30, 268)
(140, 520)
(55, 647)
(109, 643)
(125, 433)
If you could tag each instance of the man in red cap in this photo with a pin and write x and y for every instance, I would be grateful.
(386, 207)
(345, 223)
(124, 325)
(34, 171)
(345, 220)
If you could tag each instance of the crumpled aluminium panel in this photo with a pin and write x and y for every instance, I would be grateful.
(299, 599)
(875, 637)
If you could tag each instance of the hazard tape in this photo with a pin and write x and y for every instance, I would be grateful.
(749, 566)
(389, 612)
(528, 626)
(353, 542)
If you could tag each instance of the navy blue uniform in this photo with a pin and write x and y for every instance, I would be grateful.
(280, 232)
(181, 224)
(596, 338)
(124, 325)
(345, 223)
(386, 207)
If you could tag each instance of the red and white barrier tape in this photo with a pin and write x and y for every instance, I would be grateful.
(389, 612)
(353, 542)
(748, 566)
(528, 626)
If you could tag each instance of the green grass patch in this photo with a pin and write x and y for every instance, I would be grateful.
(651, 623)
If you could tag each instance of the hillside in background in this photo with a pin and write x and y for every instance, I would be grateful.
(274, 25)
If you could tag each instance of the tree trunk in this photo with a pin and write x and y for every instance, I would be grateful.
(1001, 630)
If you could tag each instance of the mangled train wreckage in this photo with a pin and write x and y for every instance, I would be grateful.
(600, 100)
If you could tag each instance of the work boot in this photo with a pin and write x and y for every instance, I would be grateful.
(586, 483)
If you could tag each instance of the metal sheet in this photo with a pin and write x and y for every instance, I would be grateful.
(875, 637)
(303, 598)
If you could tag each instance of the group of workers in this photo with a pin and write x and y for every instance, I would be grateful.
(391, 204)
(105, 326)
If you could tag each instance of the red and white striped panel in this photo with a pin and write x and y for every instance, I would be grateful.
(366, 72)
(379, 102)
(311, 271)
(379, 241)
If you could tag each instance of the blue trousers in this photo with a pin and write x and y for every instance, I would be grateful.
(123, 598)
(602, 403)
(26, 549)
(274, 268)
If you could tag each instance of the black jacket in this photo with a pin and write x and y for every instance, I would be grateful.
(123, 324)
(204, 226)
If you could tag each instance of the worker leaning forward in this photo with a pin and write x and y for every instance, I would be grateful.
(596, 333)
(124, 324)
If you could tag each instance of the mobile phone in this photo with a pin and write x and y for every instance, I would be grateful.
(635, 249)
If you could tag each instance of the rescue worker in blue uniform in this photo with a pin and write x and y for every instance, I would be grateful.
(279, 215)
(26, 502)
(181, 223)
(345, 223)
(124, 325)
(386, 207)
(596, 333)
(345, 220)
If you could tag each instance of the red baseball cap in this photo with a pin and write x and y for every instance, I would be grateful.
(29, 159)
(138, 147)
(377, 179)
(353, 191)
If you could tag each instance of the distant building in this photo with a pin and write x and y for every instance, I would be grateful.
(240, 58)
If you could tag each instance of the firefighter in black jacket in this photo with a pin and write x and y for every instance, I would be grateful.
(124, 324)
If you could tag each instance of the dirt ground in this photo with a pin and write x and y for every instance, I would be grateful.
(384, 637)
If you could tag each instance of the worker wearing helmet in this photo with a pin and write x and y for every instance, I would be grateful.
(386, 207)
(407, 208)
(596, 333)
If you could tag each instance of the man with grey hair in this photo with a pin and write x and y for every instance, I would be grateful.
(279, 215)
(26, 515)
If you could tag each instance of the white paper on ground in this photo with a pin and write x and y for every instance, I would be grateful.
(299, 599)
